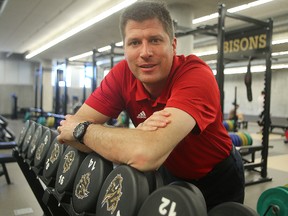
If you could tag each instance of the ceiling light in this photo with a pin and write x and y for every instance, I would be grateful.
(231, 10)
(254, 69)
(81, 27)
(83, 55)
(119, 44)
(103, 49)
(280, 53)
(280, 41)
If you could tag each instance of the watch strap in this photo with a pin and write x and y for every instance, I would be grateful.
(86, 124)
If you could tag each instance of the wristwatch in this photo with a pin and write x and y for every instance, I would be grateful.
(80, 131)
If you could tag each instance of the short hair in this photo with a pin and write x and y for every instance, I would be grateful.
(144, 10)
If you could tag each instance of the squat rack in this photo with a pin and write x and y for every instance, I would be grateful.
(220, 32)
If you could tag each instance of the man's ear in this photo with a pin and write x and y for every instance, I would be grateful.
(174, 45)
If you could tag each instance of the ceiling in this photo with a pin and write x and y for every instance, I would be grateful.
(26, 25)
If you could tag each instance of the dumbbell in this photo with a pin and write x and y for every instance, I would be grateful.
(22, 134)
(42, 150)
(232, 208)
(66, 172)
(30, 133)
(35, 141)
(88, 181)
(177, 198)
(51, 163)
(124, 191)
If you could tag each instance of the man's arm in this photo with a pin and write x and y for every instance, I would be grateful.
(66, 128)
(143, 149)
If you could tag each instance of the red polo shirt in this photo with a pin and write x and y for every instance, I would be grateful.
(192, 88)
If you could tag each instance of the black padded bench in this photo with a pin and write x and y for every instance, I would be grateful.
(6, 158)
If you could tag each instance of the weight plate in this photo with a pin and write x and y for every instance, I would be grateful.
(194, 189)
(43, 148)
(230, 125)
(232, 208)
(23, 134)
(284, 187)
(275, 197)
(68, 167)
(243, 138)
(226, 125)
(250, 141)
(90, 176)
(34, 142)
(154, 179)
(172, 200)
(52, 159)
(239, 141)
(234, 139)
(123, 192)
(28, 137)
(50, 121)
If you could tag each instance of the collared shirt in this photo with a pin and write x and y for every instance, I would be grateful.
(191, 87)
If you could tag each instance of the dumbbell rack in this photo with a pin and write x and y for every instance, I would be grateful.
(47, 202)
(138, 190)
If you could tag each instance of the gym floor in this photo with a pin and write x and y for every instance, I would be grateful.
(18, 198)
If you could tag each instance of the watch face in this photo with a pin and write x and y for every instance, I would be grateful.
(79, 131)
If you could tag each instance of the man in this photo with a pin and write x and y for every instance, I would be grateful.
(174, 103)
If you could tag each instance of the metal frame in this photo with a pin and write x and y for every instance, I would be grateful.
(267, 84)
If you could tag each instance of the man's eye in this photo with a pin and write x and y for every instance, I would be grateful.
(134, 43)
(155, 41)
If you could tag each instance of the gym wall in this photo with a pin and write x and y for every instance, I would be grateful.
(17, 77)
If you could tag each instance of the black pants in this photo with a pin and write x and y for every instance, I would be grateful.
(224, 183)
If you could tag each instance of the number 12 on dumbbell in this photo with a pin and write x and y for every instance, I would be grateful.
(165, 204)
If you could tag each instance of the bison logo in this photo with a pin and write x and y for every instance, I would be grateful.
(69, 158)
(55, 153)
(113, 194)
(41, 148)
(81, 190)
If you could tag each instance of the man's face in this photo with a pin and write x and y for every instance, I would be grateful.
(149, 51)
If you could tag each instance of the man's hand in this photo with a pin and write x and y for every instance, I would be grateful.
(159, 119)
(65, 130)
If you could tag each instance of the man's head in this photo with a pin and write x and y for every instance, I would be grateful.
(144, 10)
(149, 44)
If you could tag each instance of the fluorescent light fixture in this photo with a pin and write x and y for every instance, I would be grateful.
(280, 53)
(231, 10)
(254, 69)
(206, 53)
(81, 27)
(103, 49)
(205, 18)
(279, 66)
(83, 55)
(86, 54)
(119, 43)
(280, 41)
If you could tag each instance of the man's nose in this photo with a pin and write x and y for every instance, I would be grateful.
(146, 50)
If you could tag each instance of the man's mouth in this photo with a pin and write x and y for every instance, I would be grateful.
(147, 66)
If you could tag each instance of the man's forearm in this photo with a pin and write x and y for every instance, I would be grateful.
(134, 147)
